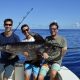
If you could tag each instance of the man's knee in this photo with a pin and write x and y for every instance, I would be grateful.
(54, 69)
(40, 77)
(53, 73)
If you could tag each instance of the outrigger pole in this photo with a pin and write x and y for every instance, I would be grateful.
(23, 19)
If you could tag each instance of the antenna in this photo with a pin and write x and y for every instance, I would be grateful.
(23, 19)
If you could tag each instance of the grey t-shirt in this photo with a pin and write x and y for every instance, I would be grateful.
(54, 51)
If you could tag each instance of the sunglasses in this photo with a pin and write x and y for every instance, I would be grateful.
(8, 24)
(53, 28)
(25, 30)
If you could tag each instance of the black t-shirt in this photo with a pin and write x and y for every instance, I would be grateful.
(7, 57)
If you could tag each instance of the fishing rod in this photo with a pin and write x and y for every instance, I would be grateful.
(23, 19)
(73, 48)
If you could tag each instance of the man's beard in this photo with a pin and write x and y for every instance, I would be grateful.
(7, 29)
(53, 34)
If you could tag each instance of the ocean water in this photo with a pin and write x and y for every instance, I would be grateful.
(72, 57)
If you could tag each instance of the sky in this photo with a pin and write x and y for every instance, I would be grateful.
(65, 12)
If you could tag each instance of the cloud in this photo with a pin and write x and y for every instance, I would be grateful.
(76, 25)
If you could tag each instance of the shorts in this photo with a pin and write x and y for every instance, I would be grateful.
(31, 69)
(45, 68)
(7, 71)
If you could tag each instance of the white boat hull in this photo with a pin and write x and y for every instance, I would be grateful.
(63, 74)
(66, 74)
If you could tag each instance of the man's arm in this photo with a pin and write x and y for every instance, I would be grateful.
(64, 51)
(50, 58)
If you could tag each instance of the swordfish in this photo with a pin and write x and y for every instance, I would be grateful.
(34, 49)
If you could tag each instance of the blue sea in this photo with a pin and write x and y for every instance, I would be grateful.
(72, 57)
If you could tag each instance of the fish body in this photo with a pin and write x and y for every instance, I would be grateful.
(21, 47)
(33, 48)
